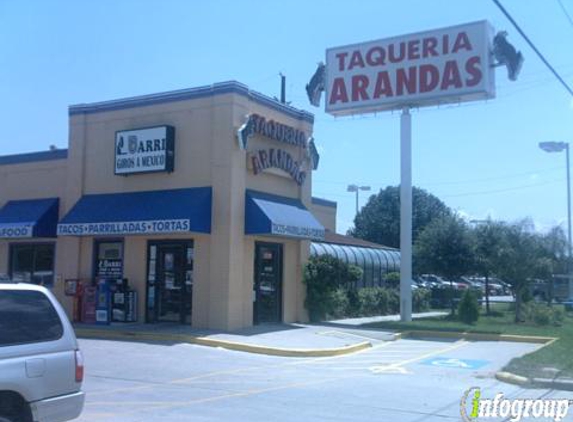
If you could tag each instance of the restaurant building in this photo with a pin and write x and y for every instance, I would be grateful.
(199, 198)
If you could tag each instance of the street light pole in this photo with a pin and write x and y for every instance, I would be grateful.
(357, 189)
(558, 147)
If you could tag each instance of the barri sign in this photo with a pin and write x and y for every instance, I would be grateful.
(428, 68)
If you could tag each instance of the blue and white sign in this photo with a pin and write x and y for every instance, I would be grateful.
(297, 231)
(16, 230)
(131, 227)
(455, 363)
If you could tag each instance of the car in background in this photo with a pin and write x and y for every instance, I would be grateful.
(41, 366)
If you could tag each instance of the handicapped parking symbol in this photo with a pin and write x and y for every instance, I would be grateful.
(455, 363)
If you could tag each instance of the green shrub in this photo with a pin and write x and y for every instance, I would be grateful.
(541, 314)
(354, 305)
(420, 300)
(339, 308)
(392, 279)
(368, 301)
(393, 301)
(323, 275)
(468, 308)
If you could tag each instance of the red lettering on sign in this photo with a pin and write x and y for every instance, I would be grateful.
(392, 53)
(375, 56)
(429, 47)
(359, 85)
(383, 86)
(429, 77)
(473, 67)
(356, 60)
(445, 44)
(341, 57)
(413, 50)
(451, 76)
(407, 81)
(462, 42)
(338, 91)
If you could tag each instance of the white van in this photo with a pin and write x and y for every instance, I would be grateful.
(41, 366)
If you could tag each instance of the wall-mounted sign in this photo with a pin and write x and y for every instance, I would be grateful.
(297, 231)
(16, 230)
(428, 68)
(145, 150)
(280, 132)
(277, 158)
(109, 260)
(131, 227)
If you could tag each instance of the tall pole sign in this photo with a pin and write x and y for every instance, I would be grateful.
(448, 65)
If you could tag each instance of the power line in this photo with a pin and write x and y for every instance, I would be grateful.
(526, 38)
(565, 12)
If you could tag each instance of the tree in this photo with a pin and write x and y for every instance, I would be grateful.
(487, 239)
(522, 257)
(379, 219)
(445, 248)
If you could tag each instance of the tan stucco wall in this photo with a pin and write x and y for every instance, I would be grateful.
(206, 154)
(326, 215)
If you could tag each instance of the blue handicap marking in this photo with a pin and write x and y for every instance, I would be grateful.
(455, 363)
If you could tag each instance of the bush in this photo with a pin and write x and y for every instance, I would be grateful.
(323, 275)
(541, 314)
(421, 300)
(468, 308)
(340, 304)
(392, 279)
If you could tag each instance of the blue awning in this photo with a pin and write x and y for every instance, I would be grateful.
(29, 218)
(268, 214)
(166, 211)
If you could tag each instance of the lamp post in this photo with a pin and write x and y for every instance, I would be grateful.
(357, 189)
(558, 147)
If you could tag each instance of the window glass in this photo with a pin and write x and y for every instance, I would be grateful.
(27, 317)
(33, 263)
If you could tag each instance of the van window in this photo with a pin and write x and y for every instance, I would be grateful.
(27, 317)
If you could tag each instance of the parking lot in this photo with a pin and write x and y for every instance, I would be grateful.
(404, 380)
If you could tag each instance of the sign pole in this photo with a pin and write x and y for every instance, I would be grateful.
(405, 215)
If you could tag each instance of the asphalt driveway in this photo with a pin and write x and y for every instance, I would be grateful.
(404, 381)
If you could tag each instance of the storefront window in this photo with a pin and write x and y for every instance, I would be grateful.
(109, 260)
(33, 263)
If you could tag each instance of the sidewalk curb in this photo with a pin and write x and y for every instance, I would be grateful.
(547, 383)
(510, 378)
(226, 344)
(479, 336)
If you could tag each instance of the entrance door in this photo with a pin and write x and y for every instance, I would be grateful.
(268, 283)
(173, 283)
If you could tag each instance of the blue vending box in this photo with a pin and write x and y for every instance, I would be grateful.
(103, 303)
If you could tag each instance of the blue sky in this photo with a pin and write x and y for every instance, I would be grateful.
(480, 158)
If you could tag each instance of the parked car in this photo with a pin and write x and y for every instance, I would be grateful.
(41, 366)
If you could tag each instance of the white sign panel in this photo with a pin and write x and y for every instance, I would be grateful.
(296, 231)
(144, 150)
(130, 227)
(428, 68)
(16, 230)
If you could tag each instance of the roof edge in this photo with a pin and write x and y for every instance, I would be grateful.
(220, 88)
(324, 202)
(30, 157)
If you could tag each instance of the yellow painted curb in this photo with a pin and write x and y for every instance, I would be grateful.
(226, 344)
(511, 378)
(479, 336)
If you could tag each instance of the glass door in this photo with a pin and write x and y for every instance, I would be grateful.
(170, 282)
(268, 283)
